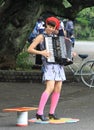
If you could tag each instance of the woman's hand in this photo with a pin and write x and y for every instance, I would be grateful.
(74, 54)
(45, 53)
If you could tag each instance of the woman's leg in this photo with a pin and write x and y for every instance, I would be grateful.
(43, 100)
(55, 97)
(45, 96)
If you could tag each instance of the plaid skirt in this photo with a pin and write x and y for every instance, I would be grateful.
(53, 72)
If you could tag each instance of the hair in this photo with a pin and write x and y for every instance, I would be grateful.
(40, 18)
(51, 23)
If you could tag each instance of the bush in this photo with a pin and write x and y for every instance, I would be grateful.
(23, 61)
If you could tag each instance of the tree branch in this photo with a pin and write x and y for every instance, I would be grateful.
(5, 6)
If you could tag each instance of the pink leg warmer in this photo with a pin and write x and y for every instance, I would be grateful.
(43, 100)
(54, 101)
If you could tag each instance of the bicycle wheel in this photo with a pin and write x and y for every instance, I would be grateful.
(87, 73)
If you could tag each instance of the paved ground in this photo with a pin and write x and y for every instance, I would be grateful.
(76, 101)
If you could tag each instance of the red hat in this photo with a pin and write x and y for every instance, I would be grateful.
(54, 19)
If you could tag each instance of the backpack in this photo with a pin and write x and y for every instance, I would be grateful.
(31, 37)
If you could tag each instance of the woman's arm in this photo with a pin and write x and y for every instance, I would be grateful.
(32, 47)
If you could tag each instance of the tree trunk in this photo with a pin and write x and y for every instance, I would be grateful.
(17, 18)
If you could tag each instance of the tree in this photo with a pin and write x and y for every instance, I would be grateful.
(17, 18)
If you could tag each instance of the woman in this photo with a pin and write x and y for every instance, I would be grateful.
(53, 74)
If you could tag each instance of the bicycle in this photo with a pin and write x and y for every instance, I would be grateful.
(85, 70)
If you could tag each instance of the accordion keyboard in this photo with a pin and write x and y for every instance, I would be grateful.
(49, 48)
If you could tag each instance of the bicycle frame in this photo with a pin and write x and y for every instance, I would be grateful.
(76, 72)
(85, 70)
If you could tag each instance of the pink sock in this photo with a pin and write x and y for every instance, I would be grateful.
(54, 101)
(43, 100)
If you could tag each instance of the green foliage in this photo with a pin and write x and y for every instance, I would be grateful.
(85, 24)
(82, 21)
(23, 61)
(66, 3)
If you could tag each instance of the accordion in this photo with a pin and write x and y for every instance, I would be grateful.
(60, 49)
